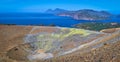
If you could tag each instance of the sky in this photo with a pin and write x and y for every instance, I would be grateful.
(42, 5)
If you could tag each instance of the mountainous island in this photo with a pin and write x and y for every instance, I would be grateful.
(84, 14)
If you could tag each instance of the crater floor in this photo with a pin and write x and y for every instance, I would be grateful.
(24, 43)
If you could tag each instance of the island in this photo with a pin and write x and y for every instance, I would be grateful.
(84, 14)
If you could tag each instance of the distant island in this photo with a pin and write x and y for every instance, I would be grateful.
(56, 11)
(84, 14)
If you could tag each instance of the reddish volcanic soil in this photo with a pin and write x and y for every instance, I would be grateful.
(12, 36)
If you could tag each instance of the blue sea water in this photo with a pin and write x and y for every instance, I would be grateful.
(42, 18)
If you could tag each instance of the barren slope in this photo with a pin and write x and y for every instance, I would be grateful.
(20, 43)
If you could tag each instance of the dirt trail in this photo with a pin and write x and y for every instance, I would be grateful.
(103, 39)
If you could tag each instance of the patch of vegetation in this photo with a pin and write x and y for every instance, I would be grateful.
(97, 26)
(8, 24)
(52, 25)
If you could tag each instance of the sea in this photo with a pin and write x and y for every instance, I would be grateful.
(44, 19)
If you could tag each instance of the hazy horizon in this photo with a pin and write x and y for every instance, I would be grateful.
(42, 5)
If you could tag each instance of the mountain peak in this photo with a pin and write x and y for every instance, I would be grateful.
(57, 10)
